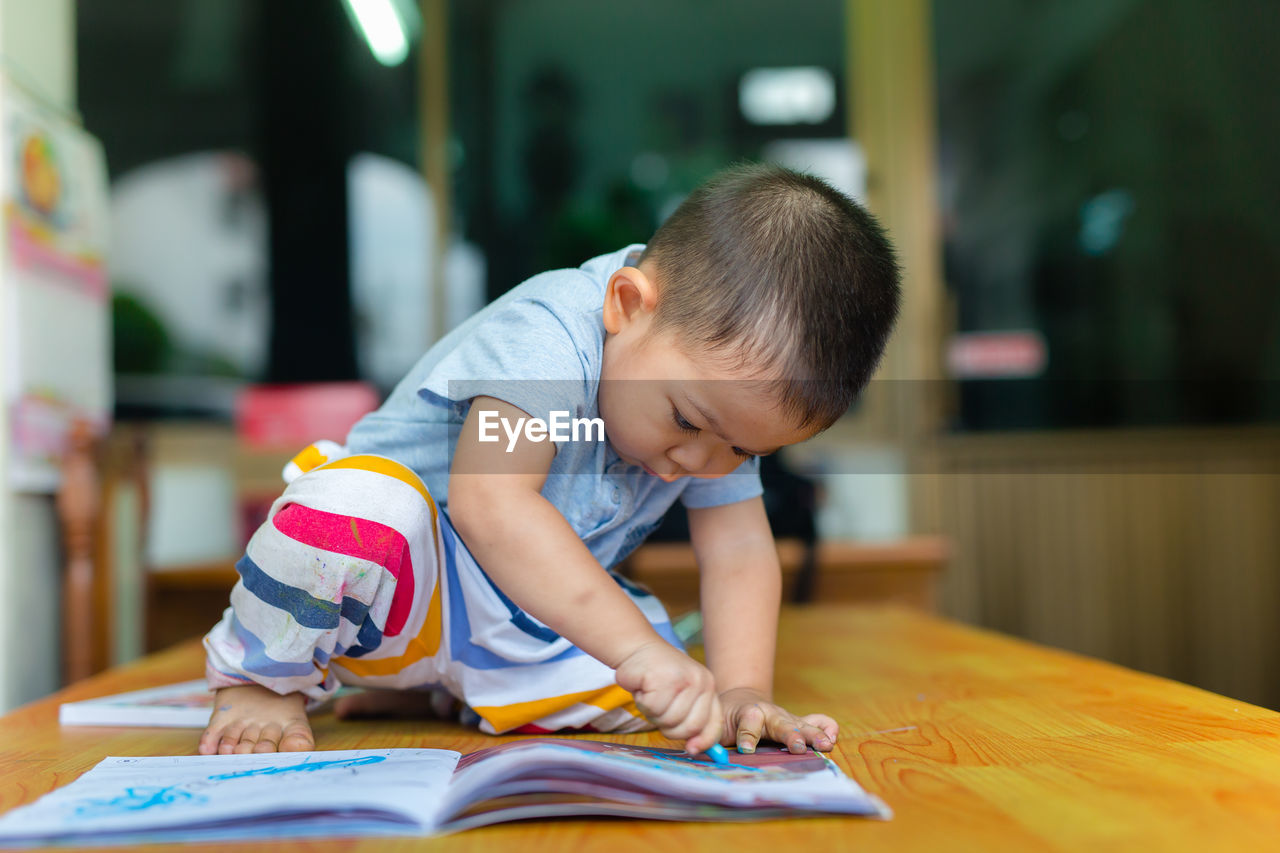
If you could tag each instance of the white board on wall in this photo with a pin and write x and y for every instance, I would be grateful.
(57, 335)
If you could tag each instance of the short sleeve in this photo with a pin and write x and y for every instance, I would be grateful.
(740, 485)
(523, 355)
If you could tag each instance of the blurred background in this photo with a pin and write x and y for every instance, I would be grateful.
(234, 224)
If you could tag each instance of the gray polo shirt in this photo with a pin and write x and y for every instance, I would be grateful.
(539, 347)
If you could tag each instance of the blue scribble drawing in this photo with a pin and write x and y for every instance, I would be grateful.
(669, 760)
(305, 767)
(136, 800)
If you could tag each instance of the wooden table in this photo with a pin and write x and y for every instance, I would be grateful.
(977, 741)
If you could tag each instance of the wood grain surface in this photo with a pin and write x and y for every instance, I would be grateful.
(977, 741)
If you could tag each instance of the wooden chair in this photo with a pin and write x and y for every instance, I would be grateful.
(95, 471)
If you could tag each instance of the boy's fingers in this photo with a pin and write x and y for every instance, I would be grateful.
(675, 712)
(653, 704)
(750, 729)
(830, 728)
(645, 707)
(715, 722)
(794, 740)
(710, 720)
(791, 731)
(692, 722)
(816, 737)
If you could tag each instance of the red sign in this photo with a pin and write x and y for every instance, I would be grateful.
(997, 355)
(293, 416)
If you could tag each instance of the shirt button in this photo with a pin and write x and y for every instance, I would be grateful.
(617, 494)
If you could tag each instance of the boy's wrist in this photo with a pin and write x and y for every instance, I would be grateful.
(747, 691)
(630, 647)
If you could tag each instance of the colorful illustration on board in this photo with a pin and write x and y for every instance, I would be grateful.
(41, 176)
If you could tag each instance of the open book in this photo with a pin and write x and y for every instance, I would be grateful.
(423, 792)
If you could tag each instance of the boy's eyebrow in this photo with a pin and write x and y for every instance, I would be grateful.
(715, 427)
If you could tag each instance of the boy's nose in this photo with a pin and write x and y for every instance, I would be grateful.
(691, 456)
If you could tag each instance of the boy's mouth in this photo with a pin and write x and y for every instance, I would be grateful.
(666, 478)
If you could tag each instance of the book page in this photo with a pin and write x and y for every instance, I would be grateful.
(558, 804)
(269, 795)
(766, 778)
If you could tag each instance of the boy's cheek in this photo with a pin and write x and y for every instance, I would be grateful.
(625, 441)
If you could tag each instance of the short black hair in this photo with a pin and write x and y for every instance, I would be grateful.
(781, 270)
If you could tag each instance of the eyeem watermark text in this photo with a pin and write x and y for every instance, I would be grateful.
(559, 428)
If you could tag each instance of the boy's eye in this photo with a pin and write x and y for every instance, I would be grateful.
(681, 422)
(685, 426)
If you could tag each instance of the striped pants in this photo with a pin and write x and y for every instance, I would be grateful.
(356, 578)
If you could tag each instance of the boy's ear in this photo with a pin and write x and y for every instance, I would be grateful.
(629, 296)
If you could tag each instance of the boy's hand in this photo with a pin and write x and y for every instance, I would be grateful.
(750, 718)
(675, 692)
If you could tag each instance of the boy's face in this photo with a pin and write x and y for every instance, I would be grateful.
(674, 412)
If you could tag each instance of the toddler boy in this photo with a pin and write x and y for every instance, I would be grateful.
(459, 546)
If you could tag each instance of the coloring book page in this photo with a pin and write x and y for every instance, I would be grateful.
(121, 795)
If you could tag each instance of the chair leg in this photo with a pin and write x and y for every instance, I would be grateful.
(78, 504)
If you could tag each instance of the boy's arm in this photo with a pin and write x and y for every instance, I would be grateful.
(531, 552)
(741, 589)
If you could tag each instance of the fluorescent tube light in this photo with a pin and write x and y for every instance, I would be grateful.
(379, 23)
(787, 95)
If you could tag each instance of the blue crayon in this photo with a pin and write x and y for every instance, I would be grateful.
(718, 754)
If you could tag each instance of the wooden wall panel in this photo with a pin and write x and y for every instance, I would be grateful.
(1157, 550)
